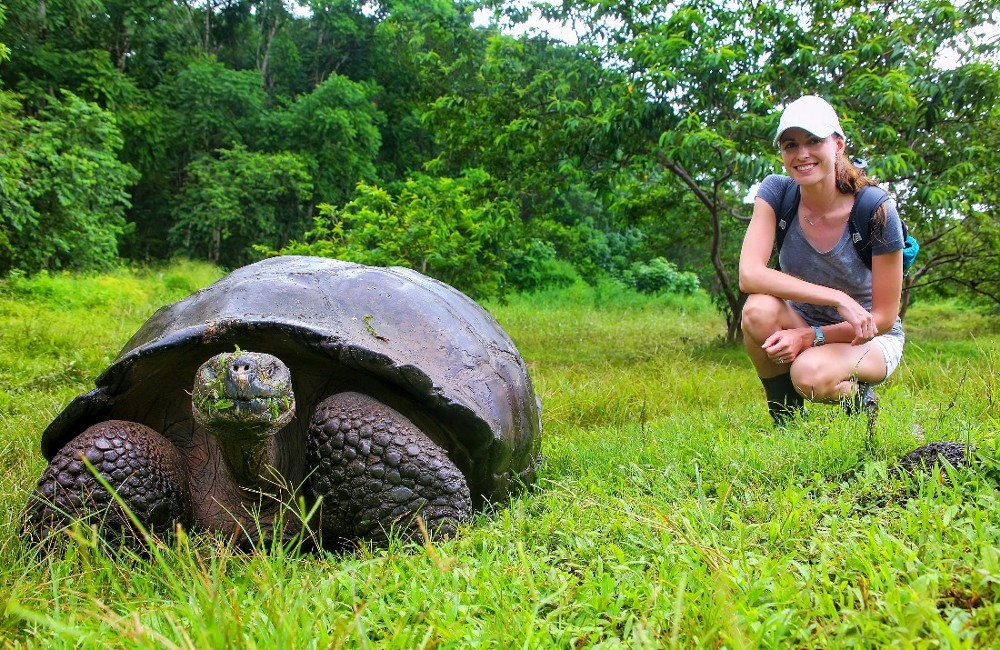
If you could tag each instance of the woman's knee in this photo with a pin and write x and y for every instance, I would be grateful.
(816, 378)
(762, 315)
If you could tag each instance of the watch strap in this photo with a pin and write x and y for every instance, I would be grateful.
(820, 339)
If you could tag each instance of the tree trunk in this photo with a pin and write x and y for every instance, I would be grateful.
(904, 299)
(215, 246)
(266, 58)
(734, 328)
(317, 75)
(733, 296)
(42, 13)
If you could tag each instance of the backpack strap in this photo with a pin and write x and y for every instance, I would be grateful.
(786, 212)
(869, 198)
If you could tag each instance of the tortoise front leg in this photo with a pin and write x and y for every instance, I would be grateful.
(142, 466)
(375, 471)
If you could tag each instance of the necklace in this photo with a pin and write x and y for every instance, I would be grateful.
(811, 222)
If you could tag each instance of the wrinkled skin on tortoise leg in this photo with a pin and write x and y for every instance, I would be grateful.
(143, 467)
(376, 471)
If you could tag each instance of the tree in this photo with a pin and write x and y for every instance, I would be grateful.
(17, 216)
(420, 50)
(337, 38)
(81, 46)
(212, 107)
(335, 130)
(965, 255)
(239, 198)
(4, 50)
(453, 229)
(547, 120)
(67, 210)
(201, 108)
(15, 212)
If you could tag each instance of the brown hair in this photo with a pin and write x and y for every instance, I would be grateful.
(850, 180)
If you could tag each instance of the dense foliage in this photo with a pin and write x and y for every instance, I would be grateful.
(447, 228)
(223, 128)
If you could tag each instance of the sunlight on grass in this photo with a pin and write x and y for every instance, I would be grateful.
(667, 514)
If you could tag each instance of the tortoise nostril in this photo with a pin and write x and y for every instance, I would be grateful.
(242, 365)
(241, 374)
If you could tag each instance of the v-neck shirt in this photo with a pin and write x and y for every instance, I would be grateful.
(839, 268)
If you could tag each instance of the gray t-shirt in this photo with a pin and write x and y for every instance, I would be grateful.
(839, 268)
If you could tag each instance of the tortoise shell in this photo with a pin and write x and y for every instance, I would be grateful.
(416, 344)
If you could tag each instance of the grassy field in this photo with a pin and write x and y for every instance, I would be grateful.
(669, 514)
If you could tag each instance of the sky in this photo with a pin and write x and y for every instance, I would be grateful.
(535, 25)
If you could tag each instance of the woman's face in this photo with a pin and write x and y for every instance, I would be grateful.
(807, 158)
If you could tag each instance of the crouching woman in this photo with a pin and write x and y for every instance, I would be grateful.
(824, 327)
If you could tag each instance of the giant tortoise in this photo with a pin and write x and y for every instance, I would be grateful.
(382, 397)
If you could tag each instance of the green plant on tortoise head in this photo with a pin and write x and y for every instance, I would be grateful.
(209, 398)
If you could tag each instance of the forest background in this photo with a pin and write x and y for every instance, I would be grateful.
(422, 133)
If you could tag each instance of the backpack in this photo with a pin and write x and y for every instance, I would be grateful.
(869, 198)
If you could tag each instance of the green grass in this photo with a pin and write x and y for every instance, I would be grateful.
(668, 513)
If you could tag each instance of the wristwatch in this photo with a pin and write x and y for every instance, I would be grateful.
(820, 339)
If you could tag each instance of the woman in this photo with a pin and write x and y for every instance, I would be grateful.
(824, 327)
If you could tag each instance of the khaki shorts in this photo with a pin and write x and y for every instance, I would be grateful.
(891, 344)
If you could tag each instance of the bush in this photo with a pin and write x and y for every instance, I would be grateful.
(63, 190)
(660, 276)
(457, 230)
(537, 267)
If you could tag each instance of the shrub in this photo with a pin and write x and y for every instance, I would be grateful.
(453, 229)
(660, 276)
(64, 191)
(537, 267)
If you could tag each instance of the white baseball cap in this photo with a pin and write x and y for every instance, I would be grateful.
(812, 113)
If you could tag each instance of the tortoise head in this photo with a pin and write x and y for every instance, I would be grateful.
(243, 395)
(243, 399)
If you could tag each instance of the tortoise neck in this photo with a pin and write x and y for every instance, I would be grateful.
(253, 464)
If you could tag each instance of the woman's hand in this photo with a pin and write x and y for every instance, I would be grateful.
(863, 322)
(784, 346)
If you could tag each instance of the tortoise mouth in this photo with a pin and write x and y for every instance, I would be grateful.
(261, 409)
(257, 417)
(254, 406)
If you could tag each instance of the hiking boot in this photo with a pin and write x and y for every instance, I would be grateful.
(784, 415)
(864, 400)
(783, 402)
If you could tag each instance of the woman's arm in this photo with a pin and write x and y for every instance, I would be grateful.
(758, 242)
(887, 288)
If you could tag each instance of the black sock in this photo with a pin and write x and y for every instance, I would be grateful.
(783, 401)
